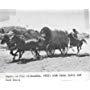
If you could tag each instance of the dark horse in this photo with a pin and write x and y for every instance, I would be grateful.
(55, 40)
(11, 46)
(74, 42)
(23, 46)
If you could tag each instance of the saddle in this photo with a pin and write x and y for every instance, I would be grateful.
(73, 40)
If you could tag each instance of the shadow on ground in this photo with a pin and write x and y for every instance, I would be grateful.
(83, 55)
(25, 61)
(69, 55)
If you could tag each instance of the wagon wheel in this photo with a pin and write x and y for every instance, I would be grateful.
(64, 51)
(50, 52)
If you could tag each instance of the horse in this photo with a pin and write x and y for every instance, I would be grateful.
(55, 40)
(42, 46)
(11, 46)
(33, 34)
(23, 45)
(75, 42)
(30, 34)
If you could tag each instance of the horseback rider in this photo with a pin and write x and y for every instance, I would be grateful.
(75, 33)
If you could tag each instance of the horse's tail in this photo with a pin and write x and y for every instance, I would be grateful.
(83, 40)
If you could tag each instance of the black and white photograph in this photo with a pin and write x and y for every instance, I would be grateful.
(44, 40)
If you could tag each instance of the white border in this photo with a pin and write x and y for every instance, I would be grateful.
(45, 84)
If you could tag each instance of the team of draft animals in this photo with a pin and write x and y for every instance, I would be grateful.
(46, 40)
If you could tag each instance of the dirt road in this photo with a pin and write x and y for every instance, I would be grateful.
(50, 64)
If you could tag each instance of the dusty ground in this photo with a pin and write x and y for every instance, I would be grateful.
(56, 63)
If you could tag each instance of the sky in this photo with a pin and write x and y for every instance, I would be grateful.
(61, 20)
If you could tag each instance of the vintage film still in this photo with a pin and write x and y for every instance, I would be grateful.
(44, 43)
